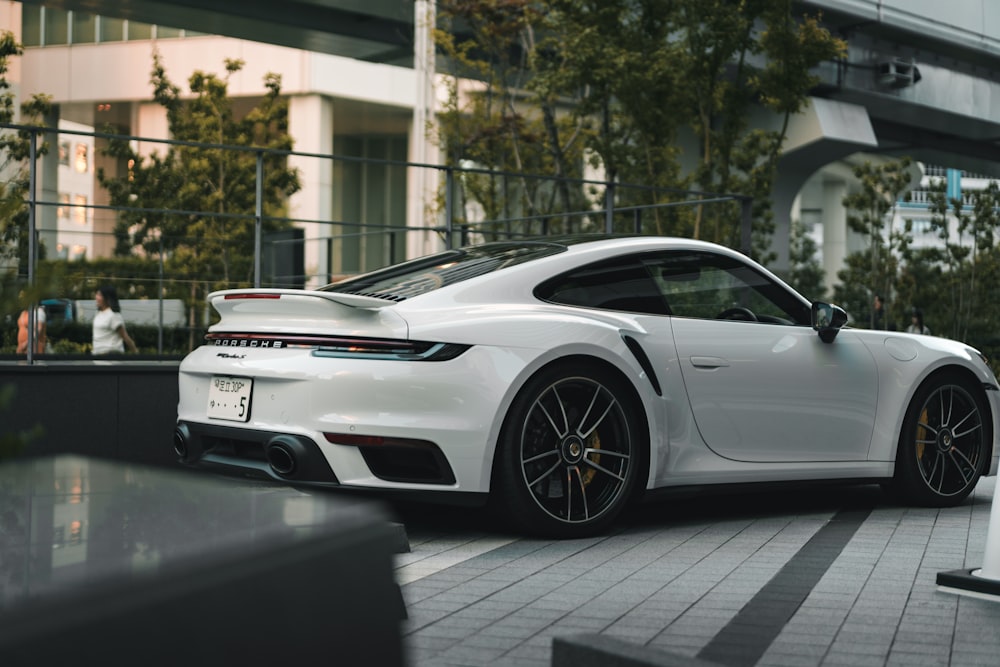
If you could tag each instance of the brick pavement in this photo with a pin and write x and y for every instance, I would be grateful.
(687, 581)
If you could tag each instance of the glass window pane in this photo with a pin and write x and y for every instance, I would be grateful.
(56, 26)
(163, 32)
(137, 30)
(79, 209)
(31, 25)
(81, 158)
(112, 30)
(84, 28)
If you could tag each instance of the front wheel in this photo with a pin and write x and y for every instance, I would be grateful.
(944, 442)
(569, 453)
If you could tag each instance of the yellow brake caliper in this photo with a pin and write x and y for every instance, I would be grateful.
(593, 442)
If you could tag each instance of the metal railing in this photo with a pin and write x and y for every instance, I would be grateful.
(465, 205)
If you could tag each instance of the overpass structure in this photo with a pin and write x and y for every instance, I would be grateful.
(921, 78)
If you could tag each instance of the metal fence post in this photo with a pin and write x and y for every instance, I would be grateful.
(258, 219)
(746, 225)
(159, 331)
(609, 210)
(449, 189)
(32, 239)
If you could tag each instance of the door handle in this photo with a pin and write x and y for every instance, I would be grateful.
(708, 362)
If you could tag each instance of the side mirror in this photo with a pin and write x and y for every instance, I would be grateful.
(827, 319)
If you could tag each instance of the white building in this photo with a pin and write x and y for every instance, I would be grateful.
(97, 71)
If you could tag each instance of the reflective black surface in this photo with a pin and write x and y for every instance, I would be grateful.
(70, 522)
(117, 562)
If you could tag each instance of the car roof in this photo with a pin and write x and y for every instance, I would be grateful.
(406, 280)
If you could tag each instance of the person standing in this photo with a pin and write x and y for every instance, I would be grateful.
(917, 323)
(110, 335)
(23, 326)
(878, 313)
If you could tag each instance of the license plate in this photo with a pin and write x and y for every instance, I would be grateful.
(229, 398)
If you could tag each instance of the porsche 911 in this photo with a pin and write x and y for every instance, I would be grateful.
(558, 380)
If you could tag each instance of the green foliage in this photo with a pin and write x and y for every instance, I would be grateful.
(952, 283)
(876, 270)
(197, 203)
(805, 271)
(618, 84)
(15, 150)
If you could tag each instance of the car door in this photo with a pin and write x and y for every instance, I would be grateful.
(764, 390)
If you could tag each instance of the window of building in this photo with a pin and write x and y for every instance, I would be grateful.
(75, 532)
(84, 28)
(31, 25)
(56, 26)
(163, 32)
(138, 30)
(80, 209)
(64, 153)
(62, 211)
(111, 30)
(81, 158)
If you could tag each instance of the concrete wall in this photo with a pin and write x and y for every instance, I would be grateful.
(123, 410)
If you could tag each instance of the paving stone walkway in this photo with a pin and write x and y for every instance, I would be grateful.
(848, 580)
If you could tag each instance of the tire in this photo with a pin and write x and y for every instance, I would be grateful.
(569, 453)
(944, 442)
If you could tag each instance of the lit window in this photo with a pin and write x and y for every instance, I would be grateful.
(80, 209)
(62, 211)
(75, 532)
(81, 158)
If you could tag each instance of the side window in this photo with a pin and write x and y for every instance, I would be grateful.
(624, 285)
(705, 285)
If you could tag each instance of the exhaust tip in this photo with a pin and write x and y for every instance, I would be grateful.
(282, 455)
(181, 439)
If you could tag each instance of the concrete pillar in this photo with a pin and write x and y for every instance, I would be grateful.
(834, 217)
(46, 219)
(422, 182)
(310, 120)
(149, 119)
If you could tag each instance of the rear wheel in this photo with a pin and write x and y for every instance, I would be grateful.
(944, 442)
(569, 453)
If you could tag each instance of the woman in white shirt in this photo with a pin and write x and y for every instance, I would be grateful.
(917, 323)
(110, 335)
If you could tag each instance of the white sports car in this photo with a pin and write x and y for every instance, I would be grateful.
(562, 378)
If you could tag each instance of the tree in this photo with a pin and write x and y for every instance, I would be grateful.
(619, 83)
(196, 203)
(499, 126)
(871, 212)
(15, 150)
(805, 272)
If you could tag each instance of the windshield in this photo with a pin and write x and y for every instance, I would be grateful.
(419, 276)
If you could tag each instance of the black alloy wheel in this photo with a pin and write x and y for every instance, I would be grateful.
(569, 453)
(944, 442)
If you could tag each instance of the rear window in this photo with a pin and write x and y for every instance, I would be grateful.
(426, 274)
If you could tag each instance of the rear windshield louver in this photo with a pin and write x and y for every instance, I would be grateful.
(381, 295)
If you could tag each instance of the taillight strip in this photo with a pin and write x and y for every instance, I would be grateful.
(340, 346)
(251, 295)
